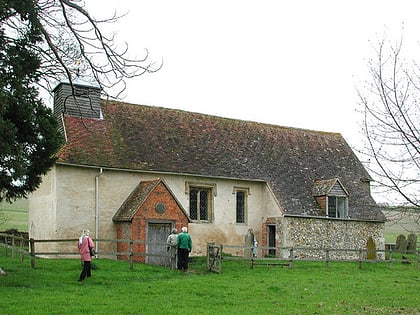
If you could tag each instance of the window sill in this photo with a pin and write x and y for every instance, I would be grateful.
(201, 221)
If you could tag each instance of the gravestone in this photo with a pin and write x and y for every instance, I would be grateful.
(371, 249)
(401, 244)
(412, 242)
(249, 243)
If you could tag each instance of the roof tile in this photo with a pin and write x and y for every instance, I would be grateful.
(167, 140)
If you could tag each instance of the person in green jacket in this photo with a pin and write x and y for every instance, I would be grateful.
(184, 243)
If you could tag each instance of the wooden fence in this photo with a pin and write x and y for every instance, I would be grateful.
(215, 256)
(27, 247)
(17, 245)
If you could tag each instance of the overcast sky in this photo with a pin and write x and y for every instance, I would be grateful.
(290, 63)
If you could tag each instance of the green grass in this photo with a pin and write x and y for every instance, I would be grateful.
(14, 216)
(392, 237)
(308, 288)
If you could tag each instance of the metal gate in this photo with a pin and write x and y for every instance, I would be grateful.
(157, 234)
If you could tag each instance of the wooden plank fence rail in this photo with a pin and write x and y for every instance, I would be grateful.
(15, 243)
(302, 253)
(8, 242)
(215, 253)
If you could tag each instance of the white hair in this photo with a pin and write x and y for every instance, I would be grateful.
(184, 229)
(85, 233)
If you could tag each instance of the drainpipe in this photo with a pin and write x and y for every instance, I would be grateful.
(97, 209)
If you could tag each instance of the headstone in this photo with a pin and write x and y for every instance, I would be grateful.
(412, 242)
(2, 272)
(371, 249)
(249, 243)
(401, 244)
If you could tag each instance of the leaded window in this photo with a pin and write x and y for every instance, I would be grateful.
(337, 207)
(200, 205)
(240, 207)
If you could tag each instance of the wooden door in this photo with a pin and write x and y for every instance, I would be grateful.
(157, 233)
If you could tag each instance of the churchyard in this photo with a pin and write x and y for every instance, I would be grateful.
(308, 288)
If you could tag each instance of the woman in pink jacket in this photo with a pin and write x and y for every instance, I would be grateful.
(84, 243)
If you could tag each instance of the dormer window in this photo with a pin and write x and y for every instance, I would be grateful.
(332, 197)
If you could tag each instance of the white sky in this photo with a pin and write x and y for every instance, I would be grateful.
(290, 63)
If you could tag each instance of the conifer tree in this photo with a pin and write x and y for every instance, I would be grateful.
(40, 41)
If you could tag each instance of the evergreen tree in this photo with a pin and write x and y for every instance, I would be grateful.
(29, 137)
(40, 41)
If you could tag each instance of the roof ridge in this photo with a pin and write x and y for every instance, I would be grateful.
(116, 102)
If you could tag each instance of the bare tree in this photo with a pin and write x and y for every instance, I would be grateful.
(76, 46)
(42, 42)
(390, 106)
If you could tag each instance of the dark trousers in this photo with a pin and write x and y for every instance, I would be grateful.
(183, 254)
(86, 271)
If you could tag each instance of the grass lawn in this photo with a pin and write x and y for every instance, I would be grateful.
(14, 216)
(308, 288)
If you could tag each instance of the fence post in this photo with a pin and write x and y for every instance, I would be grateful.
(32, 245)
(131, 254)
(22, 256)
(221, 257)
(208, 257)
(291, 258)
(13, 246)
(390, 259)
(327, 258)
(6, 245)
(360, 258)
(210, 254)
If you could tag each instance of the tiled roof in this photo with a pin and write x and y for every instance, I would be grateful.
(137, 197)
(167, 140)
(133, 202)
(322, 187)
